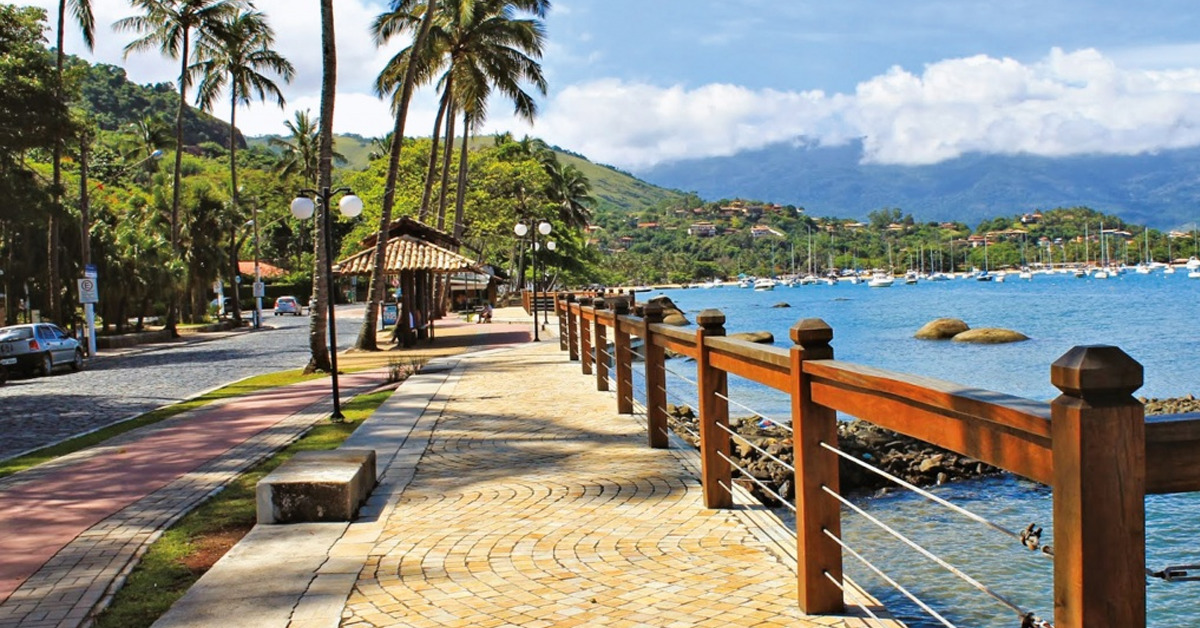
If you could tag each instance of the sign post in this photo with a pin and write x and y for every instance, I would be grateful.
(89, 295)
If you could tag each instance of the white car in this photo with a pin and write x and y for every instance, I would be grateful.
(288, 305)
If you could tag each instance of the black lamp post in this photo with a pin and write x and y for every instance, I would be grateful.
(350, 206)
(550, 246)
(521, 229)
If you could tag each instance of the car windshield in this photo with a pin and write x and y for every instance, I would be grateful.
(16, 333)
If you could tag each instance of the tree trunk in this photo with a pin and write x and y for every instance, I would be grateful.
(445, 188)
(366, 334)
(318, 321)
(461, 196)
(431, 166)
(233, 204)
(173, 294)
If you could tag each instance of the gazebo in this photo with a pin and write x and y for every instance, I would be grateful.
(414, 255)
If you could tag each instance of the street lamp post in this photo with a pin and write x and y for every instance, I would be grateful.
(350, 206)
(550, 246)
(521, 229)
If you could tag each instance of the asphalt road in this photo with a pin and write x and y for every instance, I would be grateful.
(38, 411)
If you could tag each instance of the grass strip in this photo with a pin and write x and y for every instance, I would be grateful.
(244, 387)
(183, 553)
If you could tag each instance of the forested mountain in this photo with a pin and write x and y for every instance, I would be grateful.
(1161, 189)
(115, 102)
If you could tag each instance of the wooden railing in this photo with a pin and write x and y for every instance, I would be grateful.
(1092, 445)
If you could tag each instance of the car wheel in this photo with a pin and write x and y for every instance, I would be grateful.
(47, 364)
(77, 363)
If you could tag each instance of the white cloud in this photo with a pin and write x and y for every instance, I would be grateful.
(1065, 104)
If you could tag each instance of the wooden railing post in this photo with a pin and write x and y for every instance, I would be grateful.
(600, 334)
(656, 381)
(572, 331)
(712, 389)
(815, 467)
(1098, 433)
(623, 356)
(561, 309)
(585, 336)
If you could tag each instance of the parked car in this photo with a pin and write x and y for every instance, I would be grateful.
(38, 347)
(288, 305)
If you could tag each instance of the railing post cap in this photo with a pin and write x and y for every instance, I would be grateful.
(710, 318)
(585, 301)
(570, 297)
(620, 305)
(652, 312)
(1096, 368)
(811, 331)
(600, 304)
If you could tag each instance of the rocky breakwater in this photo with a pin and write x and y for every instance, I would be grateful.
(672, 315)
(912, 460)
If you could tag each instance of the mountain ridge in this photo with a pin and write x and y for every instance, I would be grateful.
(1159, 189)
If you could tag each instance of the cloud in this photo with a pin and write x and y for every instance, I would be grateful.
(1065, 104)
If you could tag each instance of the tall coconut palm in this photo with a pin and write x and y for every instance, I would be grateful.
(419, 19)
(487, 48)
(168, 25)
(235, 55)
(571, 191)
(300, 154)
(82, 11)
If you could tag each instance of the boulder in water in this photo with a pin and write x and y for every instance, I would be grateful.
(941, 329)
(990, 336)
(762, 337)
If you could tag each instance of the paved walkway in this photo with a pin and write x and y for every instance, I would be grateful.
(512, 494)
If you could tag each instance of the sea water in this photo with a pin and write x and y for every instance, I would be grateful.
(1151, 317)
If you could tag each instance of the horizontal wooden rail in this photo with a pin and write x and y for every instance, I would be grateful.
(672, 338)
(1173, 453)
(766, 365)
(1005, 431)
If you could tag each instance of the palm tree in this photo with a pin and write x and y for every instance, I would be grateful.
(300, 154)
(168, 24)
(82, 10)
(570, 189)
(235, 54)
(415, 69)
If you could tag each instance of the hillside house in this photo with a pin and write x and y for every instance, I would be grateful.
(702, 230)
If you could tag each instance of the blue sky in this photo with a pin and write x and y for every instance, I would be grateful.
(638, 82)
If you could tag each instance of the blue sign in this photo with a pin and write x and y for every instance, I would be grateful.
(89, 271)
(390, 313)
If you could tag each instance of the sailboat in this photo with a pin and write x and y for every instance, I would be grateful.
(880, 279)
(1170, 269)
(1102, 272)
(1145, 267)
(984, 276)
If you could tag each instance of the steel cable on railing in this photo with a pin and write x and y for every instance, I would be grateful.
(756, 447)
(865, 609)
(768, 490)
(896, 585)
(756, 413)
(1028, 539)
(681, 425)
(926, 553)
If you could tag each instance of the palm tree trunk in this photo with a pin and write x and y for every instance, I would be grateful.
(233, 201)
(444, 195)
(366, 335)
(318, 347)
(431, 166)
(461, 196)
(177, 182)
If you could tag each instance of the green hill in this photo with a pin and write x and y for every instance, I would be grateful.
(617, 190)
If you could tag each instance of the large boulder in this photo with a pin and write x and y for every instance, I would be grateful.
(941, 329)
(990, 336)
(762, 337)
(672, 315)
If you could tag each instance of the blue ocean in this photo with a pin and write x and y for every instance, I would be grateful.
(1151, 317)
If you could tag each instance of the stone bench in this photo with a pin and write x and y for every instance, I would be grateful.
(317, 486)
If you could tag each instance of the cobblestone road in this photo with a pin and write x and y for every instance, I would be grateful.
(38, 411)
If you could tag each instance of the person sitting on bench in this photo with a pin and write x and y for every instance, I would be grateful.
(485, 315)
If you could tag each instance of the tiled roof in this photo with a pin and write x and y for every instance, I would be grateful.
(407, 253)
